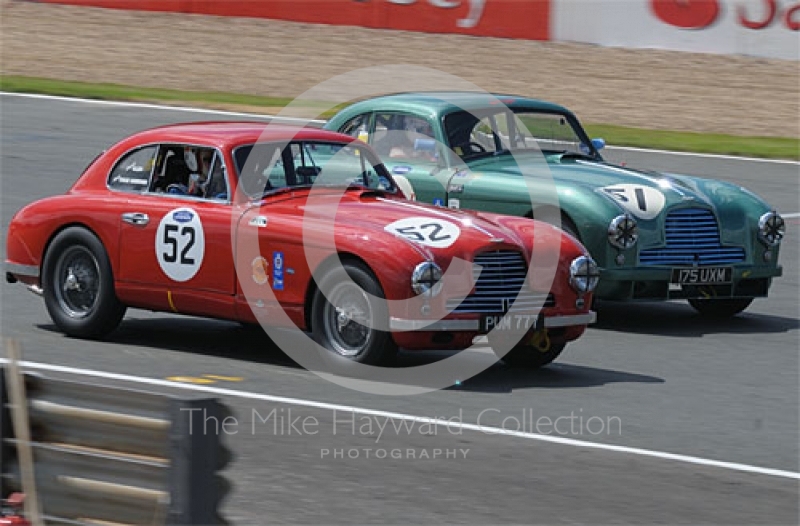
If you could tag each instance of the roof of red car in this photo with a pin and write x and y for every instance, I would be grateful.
(234, 133)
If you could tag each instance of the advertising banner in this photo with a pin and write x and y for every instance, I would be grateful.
(762, 28)
(524, 19)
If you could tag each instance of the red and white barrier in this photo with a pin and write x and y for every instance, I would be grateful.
(525, 19)
(764, 28)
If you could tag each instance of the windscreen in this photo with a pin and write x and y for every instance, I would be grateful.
(268, 167)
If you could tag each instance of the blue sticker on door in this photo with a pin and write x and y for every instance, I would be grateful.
(277, 270)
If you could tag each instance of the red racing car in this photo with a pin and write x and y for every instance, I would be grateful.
(260, 223)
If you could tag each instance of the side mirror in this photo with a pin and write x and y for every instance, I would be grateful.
(598, 143)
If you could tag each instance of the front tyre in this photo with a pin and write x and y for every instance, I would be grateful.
(345, 321)
(720, 308)
(79, 285)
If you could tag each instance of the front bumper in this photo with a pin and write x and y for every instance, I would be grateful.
(550, 322)
(653, 283)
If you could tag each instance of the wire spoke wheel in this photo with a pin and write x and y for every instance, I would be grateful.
(77, 287)
(78, 284)
(347, 317)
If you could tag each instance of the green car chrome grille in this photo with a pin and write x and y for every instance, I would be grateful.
(692, 238)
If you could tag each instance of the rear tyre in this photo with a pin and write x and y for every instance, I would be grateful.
(720, 308)
(79, 285)
(344, 322)
(527, 356)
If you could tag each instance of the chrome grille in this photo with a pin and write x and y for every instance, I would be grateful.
(501, 278)
(692, 238)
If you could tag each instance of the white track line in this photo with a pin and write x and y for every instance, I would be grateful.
(790, 216)
(417, 419)
(144, 105)
(318, 121)
(704, 155)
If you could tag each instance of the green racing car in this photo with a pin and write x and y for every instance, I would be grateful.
(655, 236)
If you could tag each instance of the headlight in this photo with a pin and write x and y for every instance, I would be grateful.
(623, 232)
(771, 228)
(427, 279)
(583, 274)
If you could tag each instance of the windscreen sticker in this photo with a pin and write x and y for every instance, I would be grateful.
(401, 170)
(431, 232)
(180, 244)
(644, 202)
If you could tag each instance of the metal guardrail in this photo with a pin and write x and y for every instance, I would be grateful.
(108, 454)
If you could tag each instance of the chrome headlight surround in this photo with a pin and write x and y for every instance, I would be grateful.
(583, 274)
(426, 280)
(771, 228)
(623, 232)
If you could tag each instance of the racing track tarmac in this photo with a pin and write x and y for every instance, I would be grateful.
(718, 390)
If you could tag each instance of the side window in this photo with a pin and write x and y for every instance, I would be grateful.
(483, 134)
(260, 168)
(196, 171)
(357, 127)
(305, 165)
(132, 172)
(404, 137)
(216, 186)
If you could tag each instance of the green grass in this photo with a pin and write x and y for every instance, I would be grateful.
(133, 93)
(768, 147)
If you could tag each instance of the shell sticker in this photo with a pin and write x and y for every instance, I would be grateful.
(428, 231)
(180, 244)
(644, 202)
(259, 266)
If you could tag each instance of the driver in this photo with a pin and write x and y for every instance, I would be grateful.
(408, 138)
(198, 180)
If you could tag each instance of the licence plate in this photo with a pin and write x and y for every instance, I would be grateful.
(702, 275)
(508, 322)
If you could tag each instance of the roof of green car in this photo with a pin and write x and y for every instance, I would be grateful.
(441, 103)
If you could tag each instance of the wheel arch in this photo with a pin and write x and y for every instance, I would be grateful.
(548, 213)
(59, 230)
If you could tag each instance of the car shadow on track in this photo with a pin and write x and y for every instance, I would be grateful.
(197, 336)
(205, 337)
(679, 319)
(502, 378)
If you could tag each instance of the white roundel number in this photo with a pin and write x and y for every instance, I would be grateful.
(641, 201)
(426, 231)
(180, 244)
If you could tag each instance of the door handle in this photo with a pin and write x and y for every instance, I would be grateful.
(136, 218)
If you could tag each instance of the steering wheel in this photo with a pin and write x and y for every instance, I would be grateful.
(474, 147)
(175, 188)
